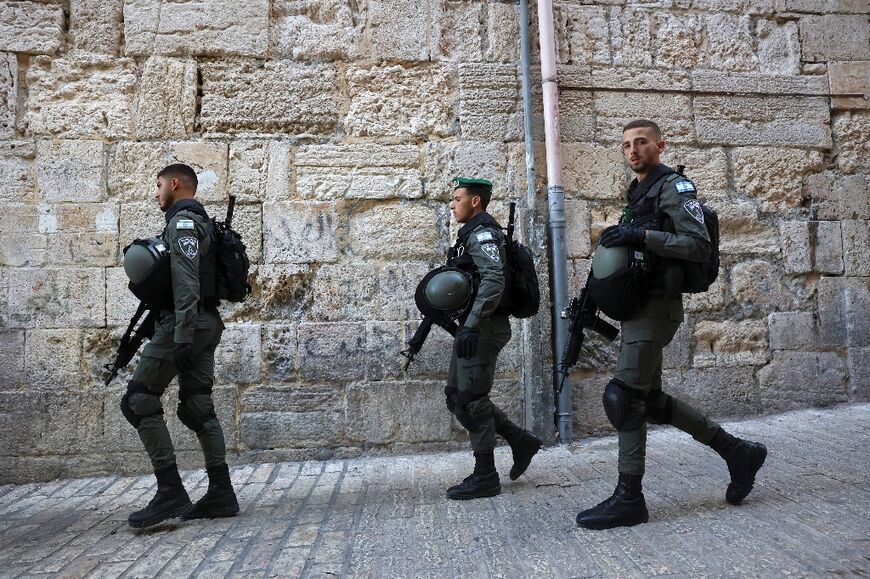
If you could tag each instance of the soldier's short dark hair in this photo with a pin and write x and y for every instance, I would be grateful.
(643, 124)
(484, 193)
(180, 171)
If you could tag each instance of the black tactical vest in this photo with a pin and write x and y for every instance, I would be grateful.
(208, 293)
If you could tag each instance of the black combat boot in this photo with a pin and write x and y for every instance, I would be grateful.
(170, 501)
(744, 459)
(627, 506)
(483, 482)
(524, 445)
(219, 500)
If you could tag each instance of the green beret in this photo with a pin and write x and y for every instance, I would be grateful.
(465, 182)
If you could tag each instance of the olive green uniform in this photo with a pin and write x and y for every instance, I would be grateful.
(645, 335)
(470, 380)
(191, 322)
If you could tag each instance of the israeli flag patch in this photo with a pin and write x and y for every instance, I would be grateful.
(485, 236)
(685, 186)
(184, 224)
(188, 246)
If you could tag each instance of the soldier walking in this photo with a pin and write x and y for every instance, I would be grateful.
(674, 237)
(183, 345)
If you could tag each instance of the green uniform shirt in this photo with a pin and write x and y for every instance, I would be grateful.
(485, 244)
(690, 240)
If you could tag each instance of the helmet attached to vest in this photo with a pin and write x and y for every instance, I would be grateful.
(615, 281)
(444, 292)
(146, 262)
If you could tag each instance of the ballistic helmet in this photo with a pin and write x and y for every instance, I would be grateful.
(146, 263)
(615, 283)
(444, 291)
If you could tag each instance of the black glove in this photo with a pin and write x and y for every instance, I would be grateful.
(623, 235)
(466, 342)
(182, 355)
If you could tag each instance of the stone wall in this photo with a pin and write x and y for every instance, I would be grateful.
(338, 124)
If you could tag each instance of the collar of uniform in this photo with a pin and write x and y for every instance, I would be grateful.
(189, 204)
(483, 218)
(638, 189)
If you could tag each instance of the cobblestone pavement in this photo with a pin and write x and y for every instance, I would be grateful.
(387, 517)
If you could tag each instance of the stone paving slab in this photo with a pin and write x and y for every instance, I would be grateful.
(809, 515)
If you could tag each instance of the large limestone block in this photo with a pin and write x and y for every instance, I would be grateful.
(825, 6)
(260, 170)
(8, 94)
(576, 117)
(457, 35)
(627, 78)
(775, 176)
(490, 102)
(332, 351)
(779, 49)
(398, 29)
(279, 349)
(377, 413)
(812, 246)
(730, 343)
(57, 298)
(503, 33)
(834, 37)
(12, 372)
(31, 27)
(300, 232)
(707, 168)
(96, 25)
(859, 374)
(327, 30)
(269, 97)
(166, 102)
(120, 301)
(799, 379)
(754, 83)
(856, 245)
(843, 303)
(400, 102)
(200, 27)
(364, 171)
(839, 197)
(729, 391)
(742, 6)
(71, 170)
(17, 183)
(782, 120)
(281, 292)
(729, 43)
(592, 171)
(21, 244)
(412, 231)
(237, 359)
(677, 39)
(80, 234)
(30, 422)
(52, 359)
(793, 331)
(82, 96)
(477, 159)
(292, 416)
(345, 291)
(588, 34)
(384, 341)
(851, 79)
(672, 112)
(758, 285)
(577, 240)
(714, 299)
(139, 221)
(630, 36)
(850, 138)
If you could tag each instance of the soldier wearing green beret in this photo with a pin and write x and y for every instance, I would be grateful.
(480, 248)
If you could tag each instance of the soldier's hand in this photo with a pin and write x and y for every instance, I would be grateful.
(623, 235)
(466, 342)
(182, 355)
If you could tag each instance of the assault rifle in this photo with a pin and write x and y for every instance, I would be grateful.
(582, 314)
(419, 338)
(132, 340)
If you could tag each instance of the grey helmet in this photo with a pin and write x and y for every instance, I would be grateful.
(444, 291)
(609, 260)
(146, 263)
(616, 281)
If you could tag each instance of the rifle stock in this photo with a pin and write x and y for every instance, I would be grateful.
(131, 341)
(419, 338)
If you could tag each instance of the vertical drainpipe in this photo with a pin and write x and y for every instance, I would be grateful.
(556, 206)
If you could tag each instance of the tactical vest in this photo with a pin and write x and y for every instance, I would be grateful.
(458, 257)
(208, 291)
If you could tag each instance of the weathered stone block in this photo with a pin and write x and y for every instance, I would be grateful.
(201, 27)
(730, 343)
(17, 183)
(166, 102)
(578, 243)
(630, 36)
(282, 292)
(400, 102)
(377, 412)
(672, 112)
(20, 241)
(742, 6)
(397, 29)
(96, 25)
(249, 163)
(292, 417)
(588, 40)
(825, 6)
(753, 83)
(279, 352)
(120, 301)
(31, 27)
(57, 298)
(779, 49)
(718, 392)
(793, 331)
(419, 230)
(763, 120)
(346, 291)
(587, 411)
(843, 304)
(707, 168)
(856, 242)
(503, 33)
(852, 79)
(678, 354)
(399, 281)
(758, 285)
(84, 96)
(486, 160)
(139, 221)
(383, 344)
(71, 170)
(677, 39)
(592, 171)
(8, 94)
(332, 351)
(237, 359)
(12, 372)
(729, 43)
(328, 172)
(299, 232)
(576, 117)
(269, 97)
(625, 78)
(799, 379)
(29, 422)
(850, 131)
(774, 176)
(713, 299)
(859, 374)
(248, 221)
(52, 359)
(490, 102)
(331, 30)
(835, 37)
(839, 197)
(457, 33)
(812, 246)
(85, 234)
(433, 360)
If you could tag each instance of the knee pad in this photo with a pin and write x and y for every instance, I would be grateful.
(128, 413)
(138, 403)
(659, 408)
(617, 402)
(479, 409)
(194, 412)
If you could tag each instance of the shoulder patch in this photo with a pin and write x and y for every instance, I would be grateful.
(685, 186)
(491, 250)
(182, 224)
(693, 208)
(188, 246)
(485, 236)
